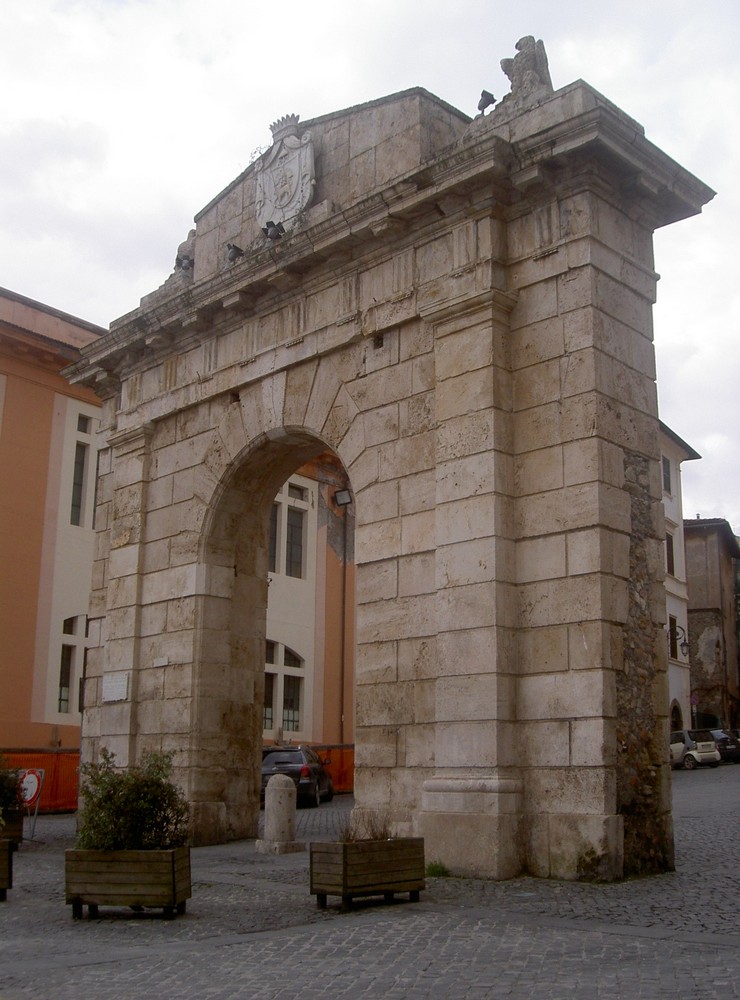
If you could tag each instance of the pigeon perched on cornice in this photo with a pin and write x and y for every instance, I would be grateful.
(486, 100)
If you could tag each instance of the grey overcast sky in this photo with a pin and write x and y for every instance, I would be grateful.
(120, 119)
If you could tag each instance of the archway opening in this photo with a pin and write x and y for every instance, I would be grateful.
(275, 657)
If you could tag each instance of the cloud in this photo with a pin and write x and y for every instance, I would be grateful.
(126, 117)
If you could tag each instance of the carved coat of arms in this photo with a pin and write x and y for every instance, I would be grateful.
(285, 174)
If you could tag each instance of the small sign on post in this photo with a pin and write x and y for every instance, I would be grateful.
(31, 782)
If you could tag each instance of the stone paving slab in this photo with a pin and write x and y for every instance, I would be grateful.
(253, 930)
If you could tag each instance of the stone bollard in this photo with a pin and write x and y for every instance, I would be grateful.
(280, 804)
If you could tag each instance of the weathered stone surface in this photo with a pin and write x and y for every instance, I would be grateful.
(462, 316)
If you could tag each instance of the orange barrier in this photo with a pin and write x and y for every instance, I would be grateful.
(342, 767)
(60, 767)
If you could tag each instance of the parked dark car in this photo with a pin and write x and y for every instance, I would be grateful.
(727, 744)
(308, 771)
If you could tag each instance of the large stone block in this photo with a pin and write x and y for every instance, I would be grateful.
(472, 475)
(472, 562)
(476, 696)
(417, 532)
(582, 847)
(467, 518)
(541, 558)
(376, 663)
(379, 540)
(417, 657)
(543, 650)
(580, 694)
(379, 579)
(406, 455)
(417, 492)
(539, 471)
(416, 574)
(489, 811)
(464, 351)
(571, 790)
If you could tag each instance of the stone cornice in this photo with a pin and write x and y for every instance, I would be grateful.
(575, 138)
(602, 135)
(421, 199)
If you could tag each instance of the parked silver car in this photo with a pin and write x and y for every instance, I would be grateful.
(693, 747)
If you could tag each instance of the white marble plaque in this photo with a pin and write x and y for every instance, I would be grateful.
(115, 687)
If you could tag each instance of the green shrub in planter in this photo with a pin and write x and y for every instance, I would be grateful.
(131, 838)
(139, 809)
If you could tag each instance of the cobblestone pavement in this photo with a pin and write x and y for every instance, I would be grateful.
(253, 931)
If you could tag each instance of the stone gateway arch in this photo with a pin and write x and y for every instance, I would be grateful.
(460, 313)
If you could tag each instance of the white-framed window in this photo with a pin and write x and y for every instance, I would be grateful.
(289, 710)
(79, 514)
(667, 479)
(288, 531)
(71, 664)
(284, 689)
(670, 555)
(673, 637)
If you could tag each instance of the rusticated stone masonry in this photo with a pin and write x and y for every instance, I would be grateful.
(460, 315)
(641, 767)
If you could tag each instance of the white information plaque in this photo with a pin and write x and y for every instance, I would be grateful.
(115, 687)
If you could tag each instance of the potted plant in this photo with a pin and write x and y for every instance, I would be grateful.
(131, 838)
(11, 803)
(6, 862)
(367, 861)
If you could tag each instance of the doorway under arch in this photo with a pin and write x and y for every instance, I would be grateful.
(676, 717)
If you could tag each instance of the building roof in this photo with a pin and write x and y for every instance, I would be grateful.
(713, 524)
(690, 453)
(25, 316)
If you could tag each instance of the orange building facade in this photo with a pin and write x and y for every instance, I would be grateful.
(47, 499)
(48, 430)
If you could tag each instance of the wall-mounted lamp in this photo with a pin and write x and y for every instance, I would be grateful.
(342, 498)
(274, 230)
(233, 252)
(678, 635)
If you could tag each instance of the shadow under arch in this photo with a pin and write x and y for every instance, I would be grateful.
(229, 657)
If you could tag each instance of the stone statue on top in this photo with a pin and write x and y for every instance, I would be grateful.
(529, 73)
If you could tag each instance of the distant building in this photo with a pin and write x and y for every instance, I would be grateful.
(47, 501)
(309, 656)
(674, 451)
(711, 557)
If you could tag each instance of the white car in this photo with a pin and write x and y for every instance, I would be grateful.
(692, 747)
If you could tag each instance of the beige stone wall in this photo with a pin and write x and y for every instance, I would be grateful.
(471, 337)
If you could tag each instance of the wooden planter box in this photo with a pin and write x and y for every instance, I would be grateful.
(13, 829)
(127, 878)
(367, 868)
(6, 868)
